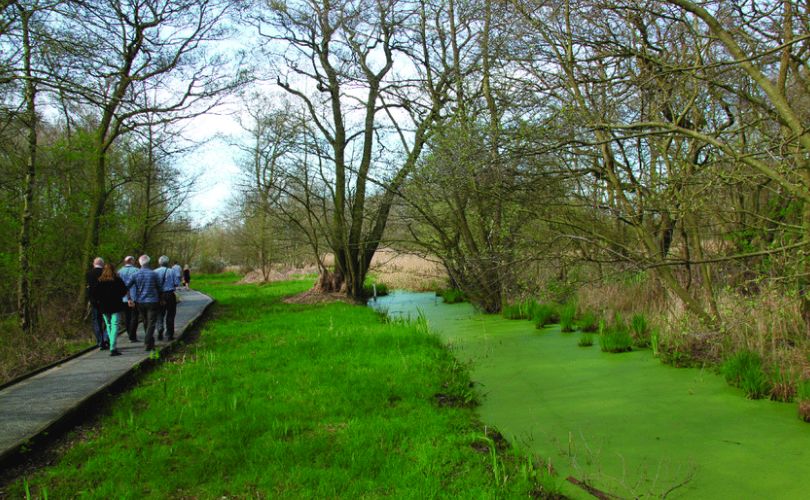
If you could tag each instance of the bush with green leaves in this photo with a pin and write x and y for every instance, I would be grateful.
(744, 370)
(615, 337)
(568, 314)
(545, 314)
(586, 340)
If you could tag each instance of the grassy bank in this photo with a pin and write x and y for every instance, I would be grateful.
(278, 400)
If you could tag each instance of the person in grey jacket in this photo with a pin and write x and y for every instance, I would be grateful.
(144, 292)
(129, 319)
(168, 282)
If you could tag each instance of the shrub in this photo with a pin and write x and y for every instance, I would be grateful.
(616, 337)
(744, 370)
(640, 330)
(567, 314)
(586, 340)
(521, 310)
(545, 314)
(451, 295)
(588, 322)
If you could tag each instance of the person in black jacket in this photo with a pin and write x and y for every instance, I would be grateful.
(91, 278)
(108, 293)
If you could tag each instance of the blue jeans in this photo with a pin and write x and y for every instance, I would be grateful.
(98, 326)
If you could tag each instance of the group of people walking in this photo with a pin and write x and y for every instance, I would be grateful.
(120, 300)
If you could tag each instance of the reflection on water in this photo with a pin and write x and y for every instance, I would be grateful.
(403, 304)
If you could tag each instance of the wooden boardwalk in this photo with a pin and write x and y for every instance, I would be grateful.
(38, 404)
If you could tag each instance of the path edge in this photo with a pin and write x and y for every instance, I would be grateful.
(62, 424)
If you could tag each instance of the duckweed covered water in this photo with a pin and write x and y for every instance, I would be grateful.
(625, 423)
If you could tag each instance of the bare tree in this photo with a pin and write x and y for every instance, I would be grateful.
(339, 61)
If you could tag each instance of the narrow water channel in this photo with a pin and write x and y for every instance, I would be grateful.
(625, 423)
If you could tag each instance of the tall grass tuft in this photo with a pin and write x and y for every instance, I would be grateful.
(568, 313)
(744, 370)
(520, 310)
(545, 314)
(369, 289)
(640, 329)
(803, 396)
(615, 337)
(783, 385)
(588, 322)
(451, 295)
(586, 340)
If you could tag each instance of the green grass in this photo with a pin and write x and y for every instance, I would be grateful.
(520, 310)
(615, 337)
(589, 322)
(451, 295)
(545, 314)
(568, 314)
(302, 401)
(586, 340)
(744, 370)
(369, 288)
(640, 330)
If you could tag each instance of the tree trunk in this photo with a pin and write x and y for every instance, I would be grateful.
(24, 282)
(94, 220)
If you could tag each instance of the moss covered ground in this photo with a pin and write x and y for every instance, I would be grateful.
(624, 423)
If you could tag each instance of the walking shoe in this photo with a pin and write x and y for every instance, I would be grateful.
(134, 340)
(160, 335)
(105, 345)
(115, 352)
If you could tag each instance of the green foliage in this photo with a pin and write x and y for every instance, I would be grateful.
(640, 329)
(568, 313)
(451, 295)
(588, 322)
(615, 337)
(545, 314)
(521, 310)
(585, 340)
(744, 370)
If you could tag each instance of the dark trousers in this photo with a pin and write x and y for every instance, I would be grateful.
(166, 315)
(128, 319)
(98, 326)
(148, 311)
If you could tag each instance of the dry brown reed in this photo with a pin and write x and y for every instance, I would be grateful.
(769, 323)
(54, 338)
(399, 270)
(407, 271)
